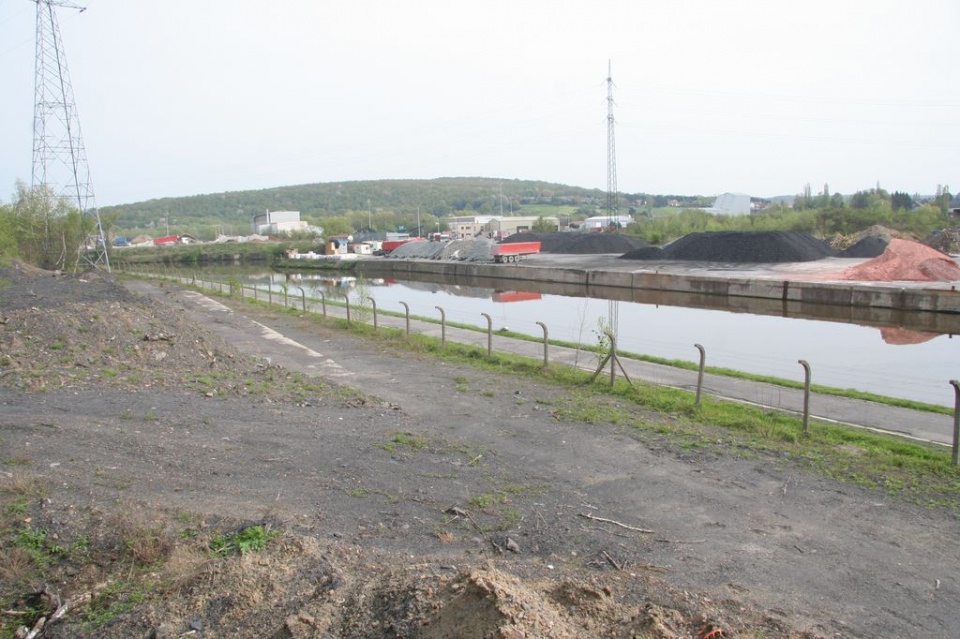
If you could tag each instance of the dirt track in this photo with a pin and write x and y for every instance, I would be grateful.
(417, 499)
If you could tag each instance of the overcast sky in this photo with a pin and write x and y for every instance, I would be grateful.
(181, 97)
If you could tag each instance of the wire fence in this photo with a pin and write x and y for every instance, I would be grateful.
(364, 309)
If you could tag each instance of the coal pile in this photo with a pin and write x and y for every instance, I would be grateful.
(579, 243)
(644, 253)
(867, 247)
(741, 247)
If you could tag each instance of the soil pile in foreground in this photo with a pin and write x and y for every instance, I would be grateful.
(579, 243)
(740, 247)
(906, 261)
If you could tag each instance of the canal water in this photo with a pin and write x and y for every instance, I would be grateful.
(886, 360)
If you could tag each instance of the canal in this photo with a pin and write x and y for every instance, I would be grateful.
(883, 353)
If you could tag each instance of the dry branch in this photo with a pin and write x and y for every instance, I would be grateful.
(617, 523)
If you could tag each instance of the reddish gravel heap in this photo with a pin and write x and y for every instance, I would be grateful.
(906, 261)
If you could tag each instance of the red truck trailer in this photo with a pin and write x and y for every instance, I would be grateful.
(513, 251)
(389, 246)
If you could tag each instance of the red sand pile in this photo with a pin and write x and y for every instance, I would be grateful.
(906, 261)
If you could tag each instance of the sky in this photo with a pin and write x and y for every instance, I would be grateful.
(185, 97)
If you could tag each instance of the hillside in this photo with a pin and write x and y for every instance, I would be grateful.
(433, 199)
(437, 197)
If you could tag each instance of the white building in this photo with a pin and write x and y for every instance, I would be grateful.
(603, 222)
(279, 222)
(731, 204)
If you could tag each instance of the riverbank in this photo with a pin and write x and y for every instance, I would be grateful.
(792, 289)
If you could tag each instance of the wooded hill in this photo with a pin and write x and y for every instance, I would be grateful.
(436, 198)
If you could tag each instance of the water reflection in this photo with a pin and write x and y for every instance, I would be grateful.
(908, 355)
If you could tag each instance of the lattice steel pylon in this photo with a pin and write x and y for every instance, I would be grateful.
(59, 157)
(613, 205)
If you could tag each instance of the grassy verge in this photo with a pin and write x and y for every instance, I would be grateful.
(362, 314)
(915, 471)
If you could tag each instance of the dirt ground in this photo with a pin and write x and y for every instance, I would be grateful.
(415, 498)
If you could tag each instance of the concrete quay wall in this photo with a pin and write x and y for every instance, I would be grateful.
(895, 296)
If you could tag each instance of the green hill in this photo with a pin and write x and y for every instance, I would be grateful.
(383, 205)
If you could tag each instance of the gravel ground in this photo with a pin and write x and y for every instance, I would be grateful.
(416, 498)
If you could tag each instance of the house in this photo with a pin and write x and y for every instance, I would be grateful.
(501, 227)
(466, 227)
(337, 245)
(953, 209)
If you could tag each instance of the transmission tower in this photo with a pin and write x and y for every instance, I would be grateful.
(59, 158)
(613, 208)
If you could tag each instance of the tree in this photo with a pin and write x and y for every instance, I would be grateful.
(336, 226)
(860, 200)
(542, 225)
(901, 201)
(47, 232)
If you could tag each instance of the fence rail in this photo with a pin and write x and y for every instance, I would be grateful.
(402, 321)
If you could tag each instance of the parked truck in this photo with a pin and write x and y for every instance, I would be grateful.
(513, 251)
(389, 246)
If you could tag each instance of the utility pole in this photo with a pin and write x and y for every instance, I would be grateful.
(59, 157)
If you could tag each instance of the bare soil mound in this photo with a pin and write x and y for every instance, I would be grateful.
(906, 261)
(80, 330)
(742, 247)
(579, 243)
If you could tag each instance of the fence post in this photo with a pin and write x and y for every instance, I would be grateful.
(546, 344)
(323, 302)
(256, 292)
(703, 359)
(270, 293)
(806, 395)
(347, 297)
(443, 327)
(303, 298)
(956, 421)
(489, 334)
(406, 312)
(373, 303)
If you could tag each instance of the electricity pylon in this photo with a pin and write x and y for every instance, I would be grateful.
(59, 157)
(613, 206)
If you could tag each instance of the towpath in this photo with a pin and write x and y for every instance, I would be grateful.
(300, 352)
